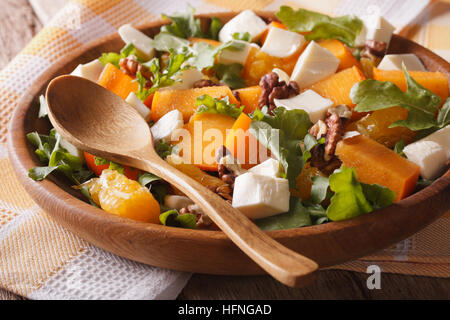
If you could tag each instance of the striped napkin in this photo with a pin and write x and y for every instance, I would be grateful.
(41, 260)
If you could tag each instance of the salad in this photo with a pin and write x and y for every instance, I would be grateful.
(295, 121)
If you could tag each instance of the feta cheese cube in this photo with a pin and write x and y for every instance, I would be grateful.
(166, 125)
(229, 56)
(246, 21)
(90, 70)
(138, 105)
(310, 101)
(187, 79)
(269, 168)
(282, 75)
(430, 153)
(375, 27)
(394, 62)
(258, 196)
(314, 64)
(140, 40)
(282, 43)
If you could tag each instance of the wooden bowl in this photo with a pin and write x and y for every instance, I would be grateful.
(211, 251)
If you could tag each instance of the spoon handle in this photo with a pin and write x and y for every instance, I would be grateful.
(283, 264)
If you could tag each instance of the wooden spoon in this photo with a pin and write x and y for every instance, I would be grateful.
(100, 122)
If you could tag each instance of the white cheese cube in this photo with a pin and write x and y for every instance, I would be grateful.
(166, 125)
(282, 75)
(138, 105)
(258, 196)
(140, 40)
(90, 70)
(246, 21)
(314, 64)
(282, 43)
(394, 62)
(429, 156)
(310, 101)
(430, 153)
(229, 56)
(74, 151)
(270, 168)
(375, 27)
(188, 78)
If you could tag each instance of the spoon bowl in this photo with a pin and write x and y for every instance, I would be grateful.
(102, 123)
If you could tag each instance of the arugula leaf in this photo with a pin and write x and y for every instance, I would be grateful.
(208, 104)
(310, 142)
(421, 103)
(443, 118)
(352, 198)
(244, 36)
(147, 178)
(214, 28)
(398, 148)
(230, 74)
(114, 57)
(319, 189)
(320, 26)
(163, 149)
(297, 216)
(282, 135)
(349, 200)
(57, 158)
(183, 25)
(166, 41)
(160, 78)
(174, 219)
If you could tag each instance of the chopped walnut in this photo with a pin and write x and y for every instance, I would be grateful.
(273, 89)
(203, 221)
(376, 48)
(323, 156)
(131, 66)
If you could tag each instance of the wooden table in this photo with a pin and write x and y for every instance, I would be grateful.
(19, 23)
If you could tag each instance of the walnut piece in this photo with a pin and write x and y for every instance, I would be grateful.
(273, 89)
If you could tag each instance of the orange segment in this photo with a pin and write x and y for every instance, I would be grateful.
(118, 195)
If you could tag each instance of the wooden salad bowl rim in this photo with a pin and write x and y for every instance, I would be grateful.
(207, 251)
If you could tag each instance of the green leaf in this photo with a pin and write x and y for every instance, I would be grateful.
(183, 25)
(378, 196)
(244, 36)
(147, 178)
(163, 149)
(443, 118)
(214, 28)
(320, 26)
(166, 42)
(398, 148)
(110, 57)
(349, 200)
(100, 161)
(116, 166)
(174, 219)
(230, 74)
(297, 216)
(319, 189)
(207, 104)
(421, 103)
(40, 173)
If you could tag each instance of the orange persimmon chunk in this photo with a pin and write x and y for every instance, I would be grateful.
(184, 100)
(244, 146)
(211, 42)
(337, 86)
(118, 82)
(436, 82)
(375, 163)
(346, 58)
(207, 133)
(249, 97)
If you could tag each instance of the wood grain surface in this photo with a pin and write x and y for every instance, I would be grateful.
(332, 284)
